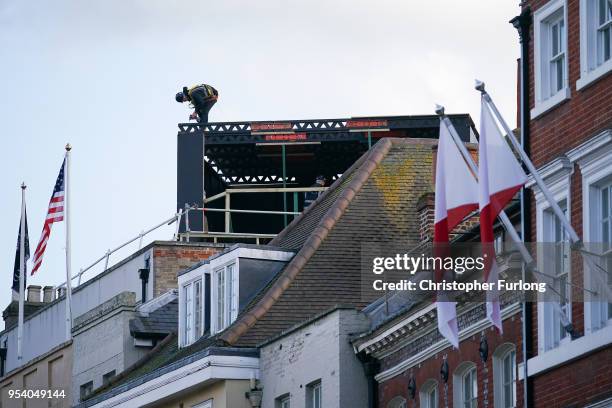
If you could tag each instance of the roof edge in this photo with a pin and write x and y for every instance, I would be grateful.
(307, 322)
(325, 225)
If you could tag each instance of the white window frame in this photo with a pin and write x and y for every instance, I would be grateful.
(590, 68)
(600, 314)
(231, 291)
(550, 322)
(464, 369)
(543, 17)
(557, 176)
(206, 404)
(593, 157)
(284, 401)
(428, 387)
(313, 390)
(198, 310)
(499, 374)
(187, 313)
(498, 243)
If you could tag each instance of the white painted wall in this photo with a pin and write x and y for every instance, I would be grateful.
(114, 350)
(47, 329)
(318, 351)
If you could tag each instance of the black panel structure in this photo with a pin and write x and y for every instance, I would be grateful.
(250, 155)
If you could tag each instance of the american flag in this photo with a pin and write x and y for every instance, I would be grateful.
(54, 214)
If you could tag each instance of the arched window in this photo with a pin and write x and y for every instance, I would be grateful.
(429, 395)
(465, 386)
(504, 376)
(397, 402)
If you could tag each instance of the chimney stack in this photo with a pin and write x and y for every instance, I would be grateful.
(48, 294)
(34, 293)
(425, 212)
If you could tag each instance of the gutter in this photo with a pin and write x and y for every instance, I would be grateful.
(522, 23)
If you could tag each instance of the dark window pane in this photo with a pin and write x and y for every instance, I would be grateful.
(605, 206)
(555, 40)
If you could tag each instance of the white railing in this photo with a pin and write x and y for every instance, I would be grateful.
(106, 257)
(227, 194)
(215, 236)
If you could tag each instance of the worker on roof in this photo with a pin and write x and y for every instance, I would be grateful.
(201, 98)
(311, 196)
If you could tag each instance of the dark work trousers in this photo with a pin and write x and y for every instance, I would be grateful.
(202, 104)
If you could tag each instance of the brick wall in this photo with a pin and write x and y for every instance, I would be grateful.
(575, 385)
(468, 351)
(577, 119)
(426, 216)
(168, 260)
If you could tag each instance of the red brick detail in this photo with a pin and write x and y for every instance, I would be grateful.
(168, 261)
(468, 351)
(577, 384)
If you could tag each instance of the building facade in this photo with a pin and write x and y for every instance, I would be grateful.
(569, 90)
(313, 364)
(103, 343)
(48, 373)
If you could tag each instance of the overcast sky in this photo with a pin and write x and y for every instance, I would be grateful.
(102, 75)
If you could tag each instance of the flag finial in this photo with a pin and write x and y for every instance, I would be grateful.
(439, 110)
(479, 85)
(23, 185)
(68, 147)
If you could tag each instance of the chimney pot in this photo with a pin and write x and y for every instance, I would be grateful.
(34, 293)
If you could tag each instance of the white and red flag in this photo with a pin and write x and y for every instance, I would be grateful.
(500, 177)
(456, 197)
(55, 213)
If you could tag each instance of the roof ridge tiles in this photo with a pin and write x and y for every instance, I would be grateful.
(364, 169)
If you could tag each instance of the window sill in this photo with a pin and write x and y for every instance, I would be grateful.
(586, 78)
(569, 351)
(548, 104)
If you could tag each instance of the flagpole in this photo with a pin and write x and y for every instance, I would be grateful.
(21, 275)
(68, 254)
(480, 86)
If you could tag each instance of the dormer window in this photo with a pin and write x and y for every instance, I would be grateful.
(213, 292)
(225, 288)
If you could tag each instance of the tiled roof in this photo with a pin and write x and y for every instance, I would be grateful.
(375, 201)
(158, 323)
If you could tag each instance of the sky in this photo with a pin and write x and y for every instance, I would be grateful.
(102, 75)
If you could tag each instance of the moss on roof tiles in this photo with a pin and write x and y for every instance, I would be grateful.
(383, 210)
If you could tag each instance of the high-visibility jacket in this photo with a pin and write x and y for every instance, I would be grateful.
(208, 90)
